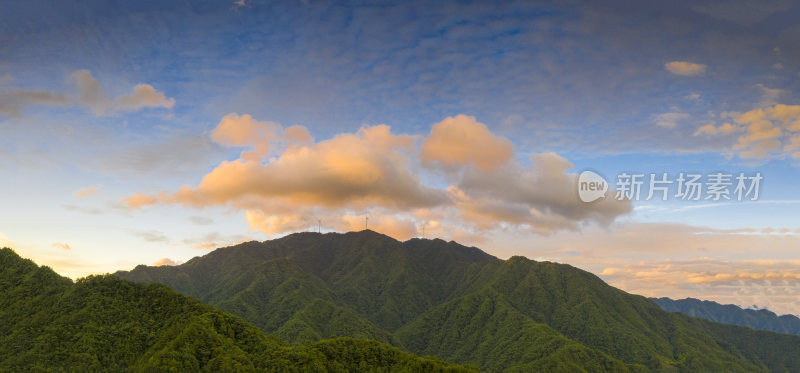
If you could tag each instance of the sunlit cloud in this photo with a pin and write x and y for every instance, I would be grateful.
(685, 68)
(461, 140)
(165, 262)
(681, 260)
(768, 132)
(285, 182)
(62, 246)
(85, 192)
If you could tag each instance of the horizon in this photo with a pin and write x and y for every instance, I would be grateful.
(155, 132)
(752, 307)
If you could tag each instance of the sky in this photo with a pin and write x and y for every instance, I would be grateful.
(152, 132)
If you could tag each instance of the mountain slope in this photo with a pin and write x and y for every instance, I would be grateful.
(104, 323)
(463, 305)
(731, 314)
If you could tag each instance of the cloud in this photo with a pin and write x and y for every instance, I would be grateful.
(91, 95)
(85, 192)
(62, 246)
(772, 131)
(88, 92)
(542, 196)
(165, 262)
(138, 200)
(774, 284)
(13, 101)
(390, 225)
(767, 130)
(461, 140)
(710, 129)
(152, 236)
(6, 242)
(373, 171)
(685, 68)
(670, 120)
(677, 260)
(350, 170)
(243, 131)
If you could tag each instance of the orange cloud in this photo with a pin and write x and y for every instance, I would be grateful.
(767, 129)
(165, 262)
(710, 129)
(373, 172)
(139, 200)
(244, 131)
(62, 246)
(685, 68)
(768, 132)
(348, 170)
(461, 140)
(401, 229)
(85, 192)
(298, 135)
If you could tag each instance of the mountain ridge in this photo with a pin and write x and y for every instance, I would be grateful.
(457, 302)
(105, 323)
(760, 319)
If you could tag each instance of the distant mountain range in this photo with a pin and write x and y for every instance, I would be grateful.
(106, 324)
(432, 297)
(731, 314)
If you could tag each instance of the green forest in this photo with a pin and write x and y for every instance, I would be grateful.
(358, 302)
(105, 323)
(437, 298)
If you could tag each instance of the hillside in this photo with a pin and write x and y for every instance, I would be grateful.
(732, 314)
(432, 297)
(104, 323)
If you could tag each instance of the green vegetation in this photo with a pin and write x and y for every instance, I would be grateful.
(431, 297)
(104, 323)
(731, 314)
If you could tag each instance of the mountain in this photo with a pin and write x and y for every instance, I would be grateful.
(104, 323)
(732, 314)
(432, 297)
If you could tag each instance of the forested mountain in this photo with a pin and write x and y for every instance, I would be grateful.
(433, 297)
(732, 314)
(104, 323)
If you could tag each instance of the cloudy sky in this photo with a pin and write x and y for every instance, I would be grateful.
(155, 131)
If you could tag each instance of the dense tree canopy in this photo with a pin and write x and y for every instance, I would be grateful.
(432, 297)
(104, 323)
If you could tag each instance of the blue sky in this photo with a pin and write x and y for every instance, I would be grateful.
(611, 87)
